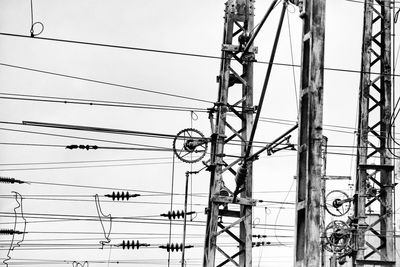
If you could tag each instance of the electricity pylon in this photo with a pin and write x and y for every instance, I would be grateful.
(236, 71)
(373, 203)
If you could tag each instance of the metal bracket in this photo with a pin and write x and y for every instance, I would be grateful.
(236, 48)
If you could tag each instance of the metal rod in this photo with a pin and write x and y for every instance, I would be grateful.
(268, 74)
(254, 156)
(251, 40)
(184, 219)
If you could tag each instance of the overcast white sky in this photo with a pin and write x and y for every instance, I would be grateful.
(181, 26)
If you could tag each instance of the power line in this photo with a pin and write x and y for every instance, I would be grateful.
(98, 129)
(30, 144)
(74, 137)
(81, 167)
(152, 51)
(92, 102)
(104, 82)
(80, 161)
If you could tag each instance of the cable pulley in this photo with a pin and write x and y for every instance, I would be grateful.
(337, 203)
(338, 236)
(190, 145)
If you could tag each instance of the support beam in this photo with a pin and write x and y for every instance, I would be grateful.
(309, 170)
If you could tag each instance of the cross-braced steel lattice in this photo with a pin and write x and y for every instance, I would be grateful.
(373, 216)
(233, 124)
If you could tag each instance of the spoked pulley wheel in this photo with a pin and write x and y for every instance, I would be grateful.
(190, 145)
(338, 235)
(337, 203)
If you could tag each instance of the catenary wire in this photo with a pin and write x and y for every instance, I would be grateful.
(147, 50)
(104, 83)
(92, 102)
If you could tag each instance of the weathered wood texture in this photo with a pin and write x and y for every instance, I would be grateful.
(307, 244)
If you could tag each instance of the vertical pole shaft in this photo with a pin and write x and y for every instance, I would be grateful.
(245, 259)
(217, 145)
(308, 239)
(185, 218)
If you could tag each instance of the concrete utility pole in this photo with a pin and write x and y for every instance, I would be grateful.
(374, 239)
(236, 71)
(309, 171)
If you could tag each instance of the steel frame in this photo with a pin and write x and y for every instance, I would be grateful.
(374, 239)
(236, 70)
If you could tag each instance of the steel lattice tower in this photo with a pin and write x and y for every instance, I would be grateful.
(236, 72)
(374, 239)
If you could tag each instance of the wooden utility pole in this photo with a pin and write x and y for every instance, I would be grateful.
(374, 239)
(221, 219)
(309, 171)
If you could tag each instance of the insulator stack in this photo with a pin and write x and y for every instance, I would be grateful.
(121, 195)
(10, 232)
(174, 247)
(259, 244)
(87, 147)
(176, 214)
(130, 244)
(9, 180)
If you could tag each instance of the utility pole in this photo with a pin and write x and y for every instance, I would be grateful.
(236, 72)
(373, 203)
(309, 169)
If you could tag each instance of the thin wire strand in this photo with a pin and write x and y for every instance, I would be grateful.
(171, 205)
(152, 51)
(292, 61)
(103, 82)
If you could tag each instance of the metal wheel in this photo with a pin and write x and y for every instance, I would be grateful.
(190, 145)
(337, 203)
(337, 235)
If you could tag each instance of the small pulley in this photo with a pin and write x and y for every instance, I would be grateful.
(337, 203)
(190, 145)
(338, 236)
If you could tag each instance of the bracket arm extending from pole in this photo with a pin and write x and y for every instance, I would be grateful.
(255, 155)
(265, 85)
